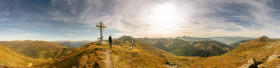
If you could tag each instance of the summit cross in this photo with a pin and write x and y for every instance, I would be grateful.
(101, 27)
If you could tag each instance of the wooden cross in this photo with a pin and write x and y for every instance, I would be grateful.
(101, 27)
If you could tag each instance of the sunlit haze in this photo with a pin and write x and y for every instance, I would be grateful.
(76, 19)
(164, 18)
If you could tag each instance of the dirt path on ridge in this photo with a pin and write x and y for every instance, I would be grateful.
(108, 60)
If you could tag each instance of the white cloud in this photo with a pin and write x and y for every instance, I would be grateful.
(200, 17)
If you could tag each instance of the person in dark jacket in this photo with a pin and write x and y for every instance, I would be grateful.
(110, 41)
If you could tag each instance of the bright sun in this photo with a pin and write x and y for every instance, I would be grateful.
(164, 18)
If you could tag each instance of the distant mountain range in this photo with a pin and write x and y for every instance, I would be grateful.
(185, 48)
(92, 55)
(73, 43)
(230, 40)
(10, 58)
(193, 39)
(236, 44)
(38, 49)
(225, 40)
(261, 52)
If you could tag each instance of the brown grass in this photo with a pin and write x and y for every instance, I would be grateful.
(37, 49)
(239, 56)
(11, 58)
(92, 55)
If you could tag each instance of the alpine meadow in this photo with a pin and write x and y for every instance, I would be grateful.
(139, 34)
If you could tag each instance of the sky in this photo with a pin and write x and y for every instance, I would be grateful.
(77, 19)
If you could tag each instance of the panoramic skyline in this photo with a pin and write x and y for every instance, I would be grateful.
(77, 19)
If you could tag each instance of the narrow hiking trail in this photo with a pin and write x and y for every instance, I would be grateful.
(168, 66)
(108, 61)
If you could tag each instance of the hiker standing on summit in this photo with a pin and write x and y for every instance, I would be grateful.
(110, 41)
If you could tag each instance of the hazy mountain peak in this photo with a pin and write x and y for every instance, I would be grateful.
(126, 38)
(264, 39)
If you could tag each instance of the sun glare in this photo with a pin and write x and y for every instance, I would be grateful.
(164, 18)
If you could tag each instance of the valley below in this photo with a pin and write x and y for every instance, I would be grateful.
(139, 34)
(261, 52)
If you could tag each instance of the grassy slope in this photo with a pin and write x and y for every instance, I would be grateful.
(10, 58)
(258, 49)
(85, 56)
(92, 55)
(185, 48)
(143, 55)
(37, 49)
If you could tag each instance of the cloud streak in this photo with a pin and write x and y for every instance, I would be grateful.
(206, 18)
(199, 18)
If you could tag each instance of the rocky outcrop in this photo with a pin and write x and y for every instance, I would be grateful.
(264, 39)
(171, 63)
(251, 63)
(269, 59)
(273, 57)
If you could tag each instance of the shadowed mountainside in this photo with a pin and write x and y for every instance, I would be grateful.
(73, 43)
(230, 40)
(193, 39)
(121, 55)
(234, 45)
(185, 48)
(225, 40)
(10, 58)
(38, 49)
(261, 52)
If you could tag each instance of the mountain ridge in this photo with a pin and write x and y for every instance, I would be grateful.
(37, 49)
(93, 55)
(185, 48)
(255, 53)
(11, 58)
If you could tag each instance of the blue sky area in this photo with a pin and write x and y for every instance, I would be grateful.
(76, 19)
